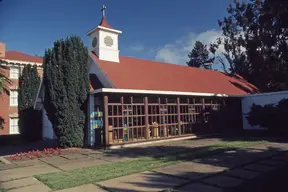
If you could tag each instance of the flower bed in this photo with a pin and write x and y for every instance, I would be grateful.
(35, 154)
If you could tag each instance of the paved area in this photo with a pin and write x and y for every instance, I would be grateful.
(84, 188)
(147, 181)
(190, 170)
(215, 173)
(20, 183)
(23, 172)
(38, 187)
(199, 187)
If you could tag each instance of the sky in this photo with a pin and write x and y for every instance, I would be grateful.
(159, 30)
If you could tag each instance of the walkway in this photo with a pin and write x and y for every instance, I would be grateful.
(216, 172)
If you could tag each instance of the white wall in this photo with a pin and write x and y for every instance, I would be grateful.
(259, 99)
(48, 132)
(104, 52)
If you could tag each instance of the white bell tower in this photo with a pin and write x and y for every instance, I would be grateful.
(104, 40)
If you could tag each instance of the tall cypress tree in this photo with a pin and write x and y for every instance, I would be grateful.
(29, 82)
(66, 88)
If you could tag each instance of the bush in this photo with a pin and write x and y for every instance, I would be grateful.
(228, 118)
(271, 116)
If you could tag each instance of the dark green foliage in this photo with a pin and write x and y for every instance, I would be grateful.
(199, 56)
(29, 82)
(66, 88)
(255, 42)
(265, 116)
(29, 119)
(227, 119)
(271, 116)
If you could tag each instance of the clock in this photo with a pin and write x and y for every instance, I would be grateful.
(108, 41)
(94, 42)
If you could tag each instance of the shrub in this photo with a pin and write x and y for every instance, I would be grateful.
(271, 116)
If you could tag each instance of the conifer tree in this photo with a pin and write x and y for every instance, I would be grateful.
(29, 82)
(66, 85)
(199, 56)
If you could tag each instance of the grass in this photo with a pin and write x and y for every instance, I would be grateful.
(3, 190)
(76, 177)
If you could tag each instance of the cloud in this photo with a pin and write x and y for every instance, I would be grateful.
(177, 52)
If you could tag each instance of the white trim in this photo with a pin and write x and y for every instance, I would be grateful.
(104, 28)
(113, 90)
(101, 75)
(22, 62)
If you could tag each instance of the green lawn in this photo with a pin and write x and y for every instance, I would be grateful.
(76, 177)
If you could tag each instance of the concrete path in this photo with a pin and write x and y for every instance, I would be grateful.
(146, 181)
(23, 172)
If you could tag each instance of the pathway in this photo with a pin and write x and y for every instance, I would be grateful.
(216, 172)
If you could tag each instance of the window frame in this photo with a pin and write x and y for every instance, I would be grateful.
(12, 73)
(16, 125)
(10, 98)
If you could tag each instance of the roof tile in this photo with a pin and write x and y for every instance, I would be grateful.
(18, 56)
(132, 73)
(104, 23)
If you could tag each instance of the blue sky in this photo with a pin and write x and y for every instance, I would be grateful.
(152, 29)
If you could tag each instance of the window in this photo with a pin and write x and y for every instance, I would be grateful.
(13, 98)
(14, 128)
(14, 72)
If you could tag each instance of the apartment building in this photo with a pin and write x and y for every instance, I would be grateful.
(15, 61)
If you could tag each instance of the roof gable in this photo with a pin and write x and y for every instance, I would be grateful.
(132, 73)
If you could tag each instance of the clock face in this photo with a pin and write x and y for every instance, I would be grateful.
(108, 41)
(94, 42)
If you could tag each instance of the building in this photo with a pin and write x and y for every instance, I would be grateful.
(133, 100)
(15, 61)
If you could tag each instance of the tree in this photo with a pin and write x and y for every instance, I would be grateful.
(28, 86)
(4, 81)
(199, 56)
(29, 82)
(255, 37)
(66, 85)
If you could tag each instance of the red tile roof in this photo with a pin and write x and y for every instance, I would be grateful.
(104, 23)
(18, 56)
(132, 73)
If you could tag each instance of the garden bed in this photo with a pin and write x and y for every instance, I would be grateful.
(36, 154)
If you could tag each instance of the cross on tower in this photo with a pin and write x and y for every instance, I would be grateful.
(103, 10)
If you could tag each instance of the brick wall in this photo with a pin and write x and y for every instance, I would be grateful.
(7, 111)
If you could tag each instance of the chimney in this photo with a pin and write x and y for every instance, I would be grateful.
(2, 49)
